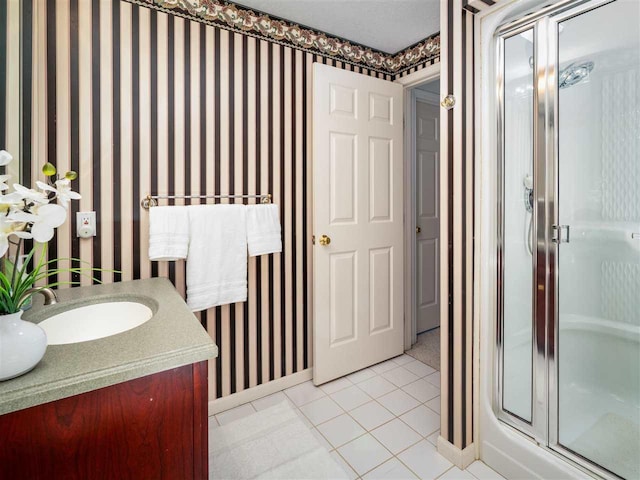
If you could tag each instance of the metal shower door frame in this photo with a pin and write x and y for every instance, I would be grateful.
(543, 428)
(572, 10)
(535, 427)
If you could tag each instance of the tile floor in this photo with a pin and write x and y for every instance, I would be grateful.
(378, 423)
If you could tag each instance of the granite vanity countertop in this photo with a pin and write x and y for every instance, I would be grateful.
(172, 338)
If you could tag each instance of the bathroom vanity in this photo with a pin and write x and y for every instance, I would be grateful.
(129, 406)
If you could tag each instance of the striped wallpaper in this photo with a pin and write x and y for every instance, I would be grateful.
(117, 94)
(139, 101)
(10, 80)
(457, 147)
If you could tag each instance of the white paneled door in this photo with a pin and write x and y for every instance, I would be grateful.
(358, 218)
(427, 217)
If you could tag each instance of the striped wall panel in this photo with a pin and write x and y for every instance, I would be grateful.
(139, 101)
(4, 53)
(457, 30)
(10, 81)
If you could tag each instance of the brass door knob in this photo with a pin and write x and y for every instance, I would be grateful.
(418, 229)
(324, 240)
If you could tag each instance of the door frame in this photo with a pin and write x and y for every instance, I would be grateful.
(429, 73)
(411, 266)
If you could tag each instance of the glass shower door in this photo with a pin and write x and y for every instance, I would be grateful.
(568, 336)
(516, 232)
(597, 236)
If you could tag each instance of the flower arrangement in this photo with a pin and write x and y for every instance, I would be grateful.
(29, 214)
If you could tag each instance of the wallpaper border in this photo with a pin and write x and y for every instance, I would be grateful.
(239, 19)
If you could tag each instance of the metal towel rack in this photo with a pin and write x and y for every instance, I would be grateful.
(152, 200)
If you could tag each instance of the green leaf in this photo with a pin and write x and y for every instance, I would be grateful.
(14, 283)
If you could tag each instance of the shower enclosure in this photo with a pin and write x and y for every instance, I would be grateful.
(567, 370)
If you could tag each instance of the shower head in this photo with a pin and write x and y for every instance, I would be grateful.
(574, 74)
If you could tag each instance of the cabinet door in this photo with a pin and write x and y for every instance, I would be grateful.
(153, 427)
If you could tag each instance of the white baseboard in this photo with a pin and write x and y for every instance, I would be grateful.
(460, 458)
(259, 391)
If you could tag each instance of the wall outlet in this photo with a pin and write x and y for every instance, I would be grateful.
(86, 224)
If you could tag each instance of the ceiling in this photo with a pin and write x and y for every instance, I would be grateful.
(387, 25)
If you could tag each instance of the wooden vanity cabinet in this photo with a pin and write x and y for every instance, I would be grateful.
(153, 427)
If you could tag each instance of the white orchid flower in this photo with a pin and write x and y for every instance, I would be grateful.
(9, 226)
(62, 190)
(29, 194)
(10, 200)
(43, 220)
(5, 158)
(3, 182)
(5, 231)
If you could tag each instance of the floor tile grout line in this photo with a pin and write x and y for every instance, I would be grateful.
(423, 436)
(413, 396)
(394, 417)
(443, 473)
(407, 467)
(360, 436)
(314, 425)
(373, 468)
(345, 377)
(332, 448)
(340, 378)
(343, 411)
(302, 404)
(366, 431)
(369, 432)
(399, 459)
(345, 461)
(353, 418)
(356, 420)
(455, 466)
(425, 404)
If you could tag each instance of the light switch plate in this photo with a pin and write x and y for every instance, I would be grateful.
(86, 224)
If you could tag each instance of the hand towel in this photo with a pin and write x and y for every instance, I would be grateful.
(217, 261)
(263, 229)
(168, 233)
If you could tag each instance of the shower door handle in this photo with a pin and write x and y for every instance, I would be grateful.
(558, 237)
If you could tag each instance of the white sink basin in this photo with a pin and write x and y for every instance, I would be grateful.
(94, 321)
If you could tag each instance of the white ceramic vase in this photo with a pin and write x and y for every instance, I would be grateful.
(22, 345)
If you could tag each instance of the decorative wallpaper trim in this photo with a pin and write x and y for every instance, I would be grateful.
(233, 17)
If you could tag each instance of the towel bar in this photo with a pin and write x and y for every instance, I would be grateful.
(152, 200)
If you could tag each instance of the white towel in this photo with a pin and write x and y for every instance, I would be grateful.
(168, 233)
(217, 261)
(263, 230)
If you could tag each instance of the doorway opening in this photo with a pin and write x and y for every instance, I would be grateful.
(422, 129)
